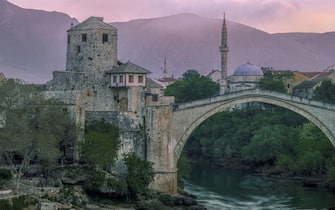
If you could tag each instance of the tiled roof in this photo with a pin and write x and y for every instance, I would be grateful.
(93, 23)
(310, 74)
(321, 76)
(129, 68)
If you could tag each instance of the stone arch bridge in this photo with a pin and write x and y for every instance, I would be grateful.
(170, 126)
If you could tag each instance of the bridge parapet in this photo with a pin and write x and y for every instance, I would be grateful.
(254, 92)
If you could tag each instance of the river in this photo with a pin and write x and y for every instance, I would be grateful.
(220, 189)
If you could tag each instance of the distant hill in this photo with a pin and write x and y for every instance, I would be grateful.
(33, 44)
(192, 42)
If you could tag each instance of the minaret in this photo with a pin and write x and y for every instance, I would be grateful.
(165, 68)
(224, 58)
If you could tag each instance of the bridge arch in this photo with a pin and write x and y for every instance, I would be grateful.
(172, 125)
(188, 130)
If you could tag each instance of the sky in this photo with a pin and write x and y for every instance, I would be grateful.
(273, 16)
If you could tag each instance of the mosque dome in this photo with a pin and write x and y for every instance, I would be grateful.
(248, 69)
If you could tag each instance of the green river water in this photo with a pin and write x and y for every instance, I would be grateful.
(220, 189)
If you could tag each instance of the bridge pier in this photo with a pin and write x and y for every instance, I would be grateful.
(165, 182)
(160, 148)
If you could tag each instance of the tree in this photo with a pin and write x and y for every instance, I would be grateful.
(268, 143)
(140, 173)
(101, 144)
(192, 87)
(312, 150)
(32, 127)
(189, 74)
(325, 92)
(274, 82)
(54, 128)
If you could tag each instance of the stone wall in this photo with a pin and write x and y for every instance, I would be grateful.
(92, 55)
(132, 133)
(160, 147)
(69, 81)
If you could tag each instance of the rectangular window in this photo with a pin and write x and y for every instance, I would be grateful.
(68, 39)
(140, 79)
(121, 78)
(78, 49)
(114, 79)
(84, 37)
(155, 97)
(104, 38)
(131, 78)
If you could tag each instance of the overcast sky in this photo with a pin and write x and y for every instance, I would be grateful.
(269, 15)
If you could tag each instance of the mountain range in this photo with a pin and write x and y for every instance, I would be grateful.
(33, 44)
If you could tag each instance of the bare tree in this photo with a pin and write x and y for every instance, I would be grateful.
(32, 128)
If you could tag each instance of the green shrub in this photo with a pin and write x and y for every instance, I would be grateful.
(5, 175)
(118, 185)
(18, 203)
(166, 199)
(151, 205)
(140, 173)
(95, 180)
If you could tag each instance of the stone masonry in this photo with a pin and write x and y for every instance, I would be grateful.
(95, 85)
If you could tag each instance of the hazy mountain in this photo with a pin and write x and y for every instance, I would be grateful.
(33, 44)
(192, 42)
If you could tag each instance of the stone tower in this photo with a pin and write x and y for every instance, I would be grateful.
(91, 47)
(224, 58)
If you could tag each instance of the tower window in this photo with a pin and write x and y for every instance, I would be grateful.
(68, 39)
(121, 78)
(131, 78)
(140, 79)
(288, 86)
(114, 79)
(84, 37)
(78, 49)
(155, 97)
(104, 38)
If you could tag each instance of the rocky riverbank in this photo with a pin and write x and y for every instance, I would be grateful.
(47, 200)
(66, 189)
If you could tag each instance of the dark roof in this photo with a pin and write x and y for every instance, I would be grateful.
(305, 85)
(167, 79)
(129, 68)
(92, 23)
(152, 84)
(280, 71)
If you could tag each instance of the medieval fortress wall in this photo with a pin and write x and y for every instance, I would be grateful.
(87, 84)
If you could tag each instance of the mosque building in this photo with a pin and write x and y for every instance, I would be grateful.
(245, 76)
